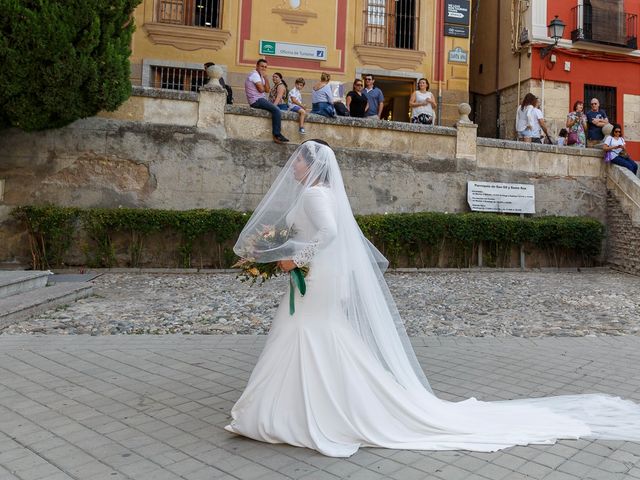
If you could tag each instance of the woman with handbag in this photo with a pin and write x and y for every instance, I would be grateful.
(615, 152)
(577, 125)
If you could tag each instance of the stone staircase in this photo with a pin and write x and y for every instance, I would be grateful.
(26, 293)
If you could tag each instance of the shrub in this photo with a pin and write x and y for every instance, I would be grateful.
(63, 60)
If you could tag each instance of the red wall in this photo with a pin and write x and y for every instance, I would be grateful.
(590, 67)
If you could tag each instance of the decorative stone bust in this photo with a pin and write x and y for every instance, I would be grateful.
(464, 109)
(214, 72)
(607, 129)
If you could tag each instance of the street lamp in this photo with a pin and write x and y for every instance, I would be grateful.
(556, 29)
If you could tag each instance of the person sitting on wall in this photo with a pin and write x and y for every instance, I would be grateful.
(295, 103)
(322, 97)
(615, 151)
(256, 87)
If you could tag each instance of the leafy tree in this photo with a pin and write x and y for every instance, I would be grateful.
(63, 60)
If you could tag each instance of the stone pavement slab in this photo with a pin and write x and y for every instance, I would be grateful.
(153, 407)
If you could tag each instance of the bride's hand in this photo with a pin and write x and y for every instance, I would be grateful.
(286, 265)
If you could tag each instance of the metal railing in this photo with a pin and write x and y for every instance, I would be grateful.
(176, 78)
(194, 13)
(605, 26)
(397, 29)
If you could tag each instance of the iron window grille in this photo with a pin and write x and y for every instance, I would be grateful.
(194, 13)
(606, 96)
(604, 22)
(391, 23)
(176, 78)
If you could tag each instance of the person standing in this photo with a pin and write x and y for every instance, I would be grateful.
(357, 103)
(577, 125)
(375, 97)
(256, 87)
(338, 371)
(596, 119)
(539, 125)
(422, 104)
(525, 119)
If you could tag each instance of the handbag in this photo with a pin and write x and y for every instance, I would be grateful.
(608, 156)
(572, 139)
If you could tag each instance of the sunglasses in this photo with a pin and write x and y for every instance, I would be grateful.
(358, 84)
(617, 131)
(595, 103)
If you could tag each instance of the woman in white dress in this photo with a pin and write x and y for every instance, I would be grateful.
(422, 104)
(339, 372)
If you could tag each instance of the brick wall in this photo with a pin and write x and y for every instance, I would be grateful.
(623, 238)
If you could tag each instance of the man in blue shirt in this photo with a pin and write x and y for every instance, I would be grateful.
(375, 97)
(596, 119)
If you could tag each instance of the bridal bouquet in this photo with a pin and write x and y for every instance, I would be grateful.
(269, 238)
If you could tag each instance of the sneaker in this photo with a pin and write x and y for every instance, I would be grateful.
(282, 138)
(277, 139)
(302, 131)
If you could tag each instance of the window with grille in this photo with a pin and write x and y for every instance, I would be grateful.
(605, 95)
(176, 78)
(194, 13)
(391, 23)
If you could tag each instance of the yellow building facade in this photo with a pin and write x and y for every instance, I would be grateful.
(398, 41)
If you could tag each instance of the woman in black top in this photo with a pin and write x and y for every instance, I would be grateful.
(357, 102)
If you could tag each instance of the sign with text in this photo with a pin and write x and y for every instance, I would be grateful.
(296, 50)
(456, 31)
(456, 11)
(501, 197)
(458, 55)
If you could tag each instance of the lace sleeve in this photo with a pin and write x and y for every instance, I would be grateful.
(304, 256)
(319, 209)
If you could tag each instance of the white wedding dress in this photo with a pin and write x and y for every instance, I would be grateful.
(318, 384)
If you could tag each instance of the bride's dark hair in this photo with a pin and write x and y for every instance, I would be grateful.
(317, 140)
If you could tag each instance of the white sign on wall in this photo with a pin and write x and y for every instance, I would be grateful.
(501, 197)
(296, 50)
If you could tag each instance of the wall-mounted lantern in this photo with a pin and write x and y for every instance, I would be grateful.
(556, 30)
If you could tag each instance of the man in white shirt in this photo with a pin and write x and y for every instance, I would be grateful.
(539, 124)
(256, 86)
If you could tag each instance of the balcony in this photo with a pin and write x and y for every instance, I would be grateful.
(188, 24)
(604, 27)
(390, 35)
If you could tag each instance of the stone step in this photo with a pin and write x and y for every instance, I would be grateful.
(15, 282)
(24, 305)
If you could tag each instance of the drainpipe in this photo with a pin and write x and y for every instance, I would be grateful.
(498, 72)
(439, 53)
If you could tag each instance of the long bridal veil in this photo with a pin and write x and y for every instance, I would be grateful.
(364, 299)
(358, 265)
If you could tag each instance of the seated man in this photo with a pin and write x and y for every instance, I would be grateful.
(256, 86)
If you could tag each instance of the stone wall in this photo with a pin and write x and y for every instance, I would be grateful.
(623, 220)
(183, 151)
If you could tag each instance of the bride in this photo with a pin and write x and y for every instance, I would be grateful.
(339, 372)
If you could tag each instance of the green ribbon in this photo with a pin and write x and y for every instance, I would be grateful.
(296, 279)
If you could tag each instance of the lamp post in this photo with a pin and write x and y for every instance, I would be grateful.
(556, 29)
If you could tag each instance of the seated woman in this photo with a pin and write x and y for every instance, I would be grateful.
(357, 102)
(614, 146)
(322, 97)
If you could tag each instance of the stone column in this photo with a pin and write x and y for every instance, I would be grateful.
(467, 134)
(211, 102)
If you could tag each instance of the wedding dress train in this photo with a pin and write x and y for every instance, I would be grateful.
(339, 374)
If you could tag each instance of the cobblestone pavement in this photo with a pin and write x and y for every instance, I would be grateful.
(151, 407)
(449, 303)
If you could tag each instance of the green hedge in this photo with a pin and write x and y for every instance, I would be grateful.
(411, 239)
